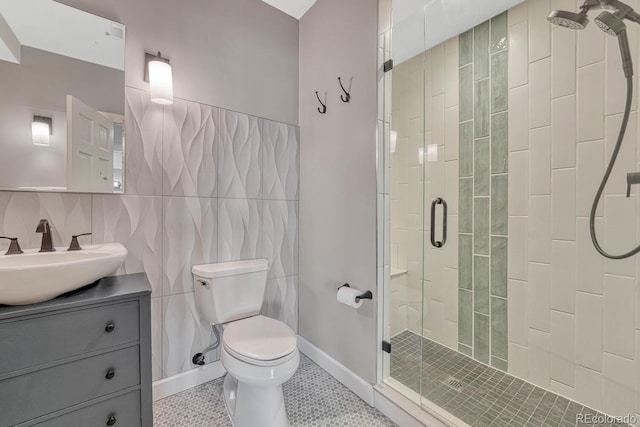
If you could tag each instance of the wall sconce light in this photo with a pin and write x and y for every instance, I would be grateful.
(157, 71)
(41, 130)
(393, 141)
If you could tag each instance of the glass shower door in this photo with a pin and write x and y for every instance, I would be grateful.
(407, 155)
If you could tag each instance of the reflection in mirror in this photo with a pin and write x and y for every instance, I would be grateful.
(62, 104)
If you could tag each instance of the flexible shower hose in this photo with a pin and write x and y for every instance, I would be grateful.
(607, 174)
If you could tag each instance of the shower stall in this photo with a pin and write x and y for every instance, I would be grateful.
(495, 304)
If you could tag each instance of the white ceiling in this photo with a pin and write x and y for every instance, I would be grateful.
(61, 29)
(295, 8)
(418, 25)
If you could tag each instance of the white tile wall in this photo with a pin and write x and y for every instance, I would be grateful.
(579, 333)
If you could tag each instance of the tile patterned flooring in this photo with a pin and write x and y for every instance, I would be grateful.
(312, 398)
(476, 393)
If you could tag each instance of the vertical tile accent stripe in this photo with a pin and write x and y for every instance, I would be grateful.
(483, 189)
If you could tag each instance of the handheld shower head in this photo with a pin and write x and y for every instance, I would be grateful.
(571, 20)
(613, 25)
(610, 23)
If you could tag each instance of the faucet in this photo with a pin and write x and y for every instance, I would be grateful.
(45, 229)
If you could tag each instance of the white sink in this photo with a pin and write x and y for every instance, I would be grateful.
(36, 277)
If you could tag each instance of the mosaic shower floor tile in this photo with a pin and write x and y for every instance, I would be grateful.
(476, 393)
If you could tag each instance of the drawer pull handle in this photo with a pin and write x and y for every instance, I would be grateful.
(110, 327)
(110, 374)
(111, 421)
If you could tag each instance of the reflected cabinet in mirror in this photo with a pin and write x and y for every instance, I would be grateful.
(62, 102)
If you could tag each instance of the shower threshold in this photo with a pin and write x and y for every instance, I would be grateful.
(475, 393)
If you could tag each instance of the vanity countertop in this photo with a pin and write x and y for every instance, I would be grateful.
(104, 290)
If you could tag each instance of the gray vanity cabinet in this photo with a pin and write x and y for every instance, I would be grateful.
(82, 359)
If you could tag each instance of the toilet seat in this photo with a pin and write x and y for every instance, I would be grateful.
(260, 341)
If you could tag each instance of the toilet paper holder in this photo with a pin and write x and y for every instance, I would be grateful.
(365, 295)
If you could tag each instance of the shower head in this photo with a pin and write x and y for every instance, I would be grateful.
(571, 20)
(610, 23)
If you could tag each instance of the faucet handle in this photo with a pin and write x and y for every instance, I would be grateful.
(14, 246)
(43, 226)
(75, 246)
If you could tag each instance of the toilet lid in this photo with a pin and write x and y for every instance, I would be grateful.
(259, 338)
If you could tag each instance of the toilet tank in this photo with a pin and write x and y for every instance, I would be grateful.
(229, 291)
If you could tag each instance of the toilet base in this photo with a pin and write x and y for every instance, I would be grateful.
(249, 405)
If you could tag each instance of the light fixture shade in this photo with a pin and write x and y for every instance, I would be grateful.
(160, 82)
(41, 131)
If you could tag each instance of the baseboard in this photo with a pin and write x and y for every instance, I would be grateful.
(186, 380)
(348, 378)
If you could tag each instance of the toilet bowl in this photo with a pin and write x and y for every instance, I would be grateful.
(259, 353)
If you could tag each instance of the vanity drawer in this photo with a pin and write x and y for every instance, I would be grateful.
(33, 341)
(125, 411)
(43, 392)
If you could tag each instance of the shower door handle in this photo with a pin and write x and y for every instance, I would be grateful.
(434, 242)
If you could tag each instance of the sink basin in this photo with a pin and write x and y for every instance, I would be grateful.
(35, 277)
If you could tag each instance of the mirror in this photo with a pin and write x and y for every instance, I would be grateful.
(62, 102)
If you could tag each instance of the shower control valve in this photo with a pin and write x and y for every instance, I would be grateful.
(632, 179)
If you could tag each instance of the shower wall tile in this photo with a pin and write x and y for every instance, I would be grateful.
(619, 316)
(481, 51)
(465, 266)
(184, 334)
(499, 266)
(240, 156)
(281, 300)
(499, 143)
(239, 229)
(563, 132)
(563, 348)
(280, 164)
(481, 284)
(136, 223)
(589, 325)
(481, 167)
(481, 337)
(563, 202)
(190, 237)
(563, 272)
(539, 238)
(499, 337)
(499, 33)
(590, 102)
(465, 200)
(518, 53)
(466, 149)
(143, 147)
(499, 206)
(540, 161)
(499, 84)
(519, 118)
(68, 214)
(466, 93)
(481, 226)
(280, 237)
(481, 108)
(563, 62)
(539, 92)
(190, 150)
(465, 317)
(466, 48)
(539, 37)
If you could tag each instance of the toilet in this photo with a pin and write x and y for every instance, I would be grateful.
(259, 353)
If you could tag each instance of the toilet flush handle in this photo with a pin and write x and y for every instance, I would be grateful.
(203, 283)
